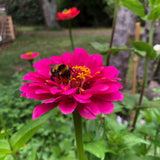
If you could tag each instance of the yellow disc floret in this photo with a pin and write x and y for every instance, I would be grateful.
(66, 11)
(81, 72)
(29, 53)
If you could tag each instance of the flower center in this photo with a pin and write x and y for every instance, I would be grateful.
(66, 11)
(78, 76)
(29, 54)
(81, 72)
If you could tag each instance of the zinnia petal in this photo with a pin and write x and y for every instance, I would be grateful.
(67, 106)
(85, 112)
(42, 108)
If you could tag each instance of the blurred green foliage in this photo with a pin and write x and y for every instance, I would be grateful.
(26, 12)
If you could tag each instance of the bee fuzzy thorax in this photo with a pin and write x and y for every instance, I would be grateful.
(61, 71)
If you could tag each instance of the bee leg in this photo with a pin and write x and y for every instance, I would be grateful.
(70, 69)
(52, 78)
(58, 77)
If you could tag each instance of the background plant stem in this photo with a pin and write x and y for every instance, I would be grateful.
(70, 34)
(7, 136)
(156, 139)
(145, 79)
(78, 133)
(113, 29)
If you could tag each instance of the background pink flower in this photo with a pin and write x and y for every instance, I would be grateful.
(90, 89)
(29, 55)
(68, 14)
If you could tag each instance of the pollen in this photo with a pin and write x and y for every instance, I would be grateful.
(29, 53)
(81, 72)
(66, 11)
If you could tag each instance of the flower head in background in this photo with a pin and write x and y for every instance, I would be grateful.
(73, 81)
(29, 55)
(68, 14)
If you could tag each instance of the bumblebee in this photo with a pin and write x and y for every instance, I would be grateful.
(60, 71)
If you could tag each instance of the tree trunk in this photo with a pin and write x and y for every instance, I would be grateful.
(49, 8)
(124, 31)
(156, 40)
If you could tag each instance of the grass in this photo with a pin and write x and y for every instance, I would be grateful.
(47, 45)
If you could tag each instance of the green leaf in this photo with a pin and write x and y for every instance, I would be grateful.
(4, 147)
(153, 15)
(131, 100)
(112, 124)
(97, 148)
(115, 50)
(102, 48)
(144, 49)
(27, 131)
(133, 5)
(154, 3)
(2, 135)
(130, 140)
(149, 158)
(156, 90)
(33, 155)
(152, 114)
(6, 157)
(147, 129)
(119, 142)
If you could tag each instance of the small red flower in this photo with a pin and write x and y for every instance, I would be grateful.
(68, 14)
(29, 55)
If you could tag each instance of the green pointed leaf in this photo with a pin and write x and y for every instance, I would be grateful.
(2, 157)
(133, 5)
(97, 148)
(154, 3)
(4, 147)
(131, 100)
(102, 48)
(6, 157)
(115, 50)
(147, 129)
(130, 140)
(33, 155)
(113, 124)
(153, 15)
(27, 131)
(143, 49)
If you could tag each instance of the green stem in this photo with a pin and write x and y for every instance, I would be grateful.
(155, 145)
(151, 33)
(78, 134)
(141, 95)
(113, 29)
(70, 34)
(145, 79)
(7, 136)
(31, 64)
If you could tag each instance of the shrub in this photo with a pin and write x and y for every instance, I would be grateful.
(25, 11)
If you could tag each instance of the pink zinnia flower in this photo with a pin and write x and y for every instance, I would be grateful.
(29, 55)
(90, 89)
(68, 14)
